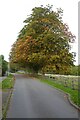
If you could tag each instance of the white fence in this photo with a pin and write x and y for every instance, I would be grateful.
(67, 80)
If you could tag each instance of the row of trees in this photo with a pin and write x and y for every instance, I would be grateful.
(43, 43)
(3, 65)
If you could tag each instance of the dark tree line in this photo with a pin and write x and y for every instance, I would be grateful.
(3, 65)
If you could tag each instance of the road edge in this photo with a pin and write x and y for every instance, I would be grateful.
(67, 94)
(8, 101)
(68, 97)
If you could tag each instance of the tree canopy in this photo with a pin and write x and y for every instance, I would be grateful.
(43, 43)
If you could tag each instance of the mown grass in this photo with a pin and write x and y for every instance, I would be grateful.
(8, 82)
(74, 94)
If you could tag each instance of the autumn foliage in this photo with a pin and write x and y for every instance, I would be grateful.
(43, 42)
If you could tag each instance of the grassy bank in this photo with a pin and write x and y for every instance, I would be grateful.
(0, 85)
(74, 95)
(8, 82)
(7, 87)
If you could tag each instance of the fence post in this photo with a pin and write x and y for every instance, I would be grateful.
(73, 84)
(65, 82)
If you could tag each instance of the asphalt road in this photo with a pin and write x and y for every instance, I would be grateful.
(34, 99)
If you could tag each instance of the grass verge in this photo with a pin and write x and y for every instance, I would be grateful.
(8, 82)
(0, 85)
(7, 88)
(74, 94)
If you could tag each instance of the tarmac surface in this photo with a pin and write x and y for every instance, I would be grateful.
(34, 99)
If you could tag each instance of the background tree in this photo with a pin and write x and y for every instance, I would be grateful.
(13, 67)
(4, 65)
(43, 42)
(75, 70)
(0, 65)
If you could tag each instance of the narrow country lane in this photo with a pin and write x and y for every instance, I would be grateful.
(34, 99)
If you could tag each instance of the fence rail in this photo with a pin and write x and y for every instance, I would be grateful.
(66, 80)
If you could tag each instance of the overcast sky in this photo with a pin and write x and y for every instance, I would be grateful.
(14, 12)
